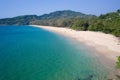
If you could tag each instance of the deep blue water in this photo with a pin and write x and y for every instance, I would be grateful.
(30, 53)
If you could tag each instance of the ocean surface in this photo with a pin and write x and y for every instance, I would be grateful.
(30, 53)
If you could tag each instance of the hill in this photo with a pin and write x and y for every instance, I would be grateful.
(19, 20)
(28, 19)
(107, 23)
(64, 14)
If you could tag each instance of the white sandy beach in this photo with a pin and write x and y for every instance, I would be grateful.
(105, 46)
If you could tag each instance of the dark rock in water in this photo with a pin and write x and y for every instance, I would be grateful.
(88, 78)
(78, 79)
(118, 76)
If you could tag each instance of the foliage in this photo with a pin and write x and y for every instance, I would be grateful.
(79, 24)
(108, 23)
(118, 62)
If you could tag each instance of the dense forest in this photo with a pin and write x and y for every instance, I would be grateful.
(107, 23)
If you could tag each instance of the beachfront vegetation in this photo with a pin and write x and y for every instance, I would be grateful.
(118, 62)
(107, 23)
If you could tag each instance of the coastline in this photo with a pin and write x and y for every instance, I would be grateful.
(105, 46)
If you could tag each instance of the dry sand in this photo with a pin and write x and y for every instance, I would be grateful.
(107, 46)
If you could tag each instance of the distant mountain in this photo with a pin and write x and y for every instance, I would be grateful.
(64, 14)
(19, 20)
(27, 19)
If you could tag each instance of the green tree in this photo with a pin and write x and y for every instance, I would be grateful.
(118, 62)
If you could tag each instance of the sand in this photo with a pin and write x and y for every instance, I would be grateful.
(106, 46)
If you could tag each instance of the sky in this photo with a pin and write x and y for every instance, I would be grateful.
(12, 8)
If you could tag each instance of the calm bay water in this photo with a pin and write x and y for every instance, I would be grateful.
(29, 53)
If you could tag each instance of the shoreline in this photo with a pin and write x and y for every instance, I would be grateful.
(105, 46)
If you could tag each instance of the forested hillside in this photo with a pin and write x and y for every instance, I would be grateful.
(107, 23)
(19, 20)
(43, 19)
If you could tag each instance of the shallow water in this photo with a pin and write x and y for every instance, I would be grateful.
(29, 53)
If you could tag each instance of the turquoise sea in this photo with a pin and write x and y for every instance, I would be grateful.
(30, 53)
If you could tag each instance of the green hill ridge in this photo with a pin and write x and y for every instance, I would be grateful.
(107, 23)
(27, 19)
